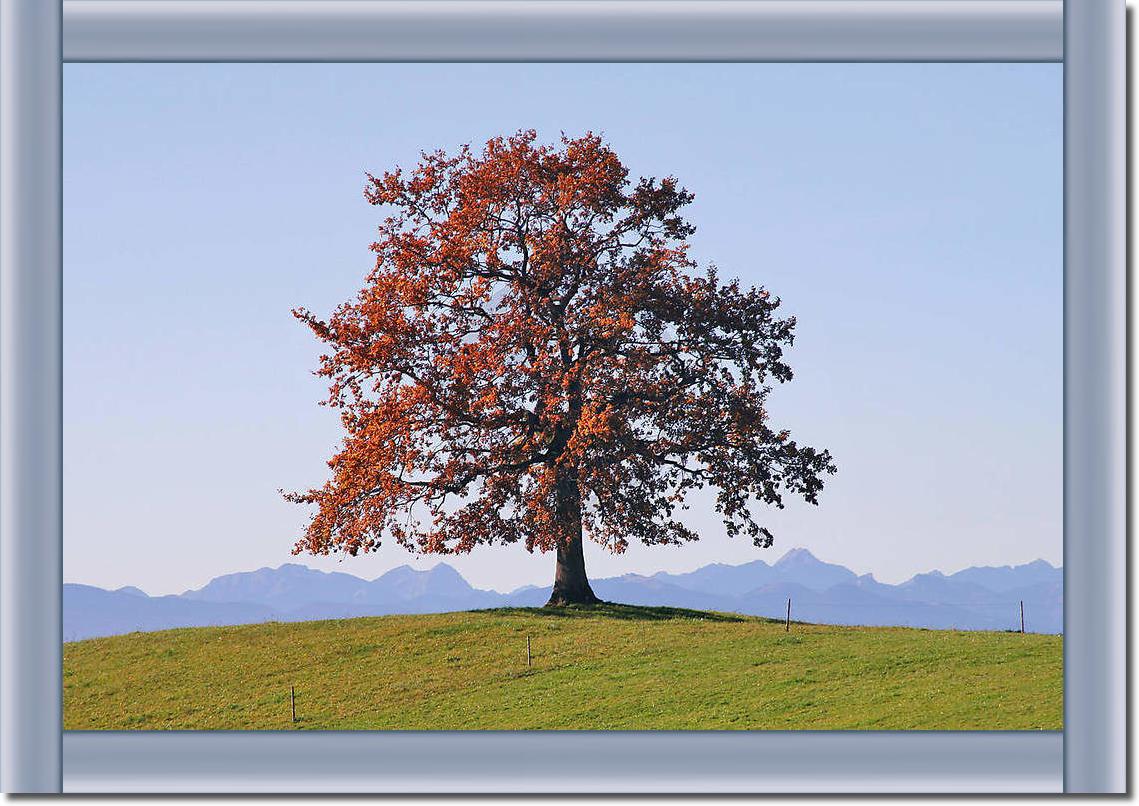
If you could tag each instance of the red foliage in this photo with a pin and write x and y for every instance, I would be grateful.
(535, 356)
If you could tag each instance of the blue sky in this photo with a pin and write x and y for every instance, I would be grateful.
(909, 215)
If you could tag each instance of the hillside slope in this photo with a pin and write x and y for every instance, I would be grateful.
(612, 667)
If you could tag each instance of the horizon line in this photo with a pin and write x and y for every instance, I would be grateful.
(443, 562)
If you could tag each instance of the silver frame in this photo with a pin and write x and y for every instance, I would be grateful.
(36, 36)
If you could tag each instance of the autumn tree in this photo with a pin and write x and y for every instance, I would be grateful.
(536, 358)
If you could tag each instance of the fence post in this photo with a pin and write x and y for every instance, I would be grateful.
(527, 651)
(1022, 616)
(788, 614)
(293, 701)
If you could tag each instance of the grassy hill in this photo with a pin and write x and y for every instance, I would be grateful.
(610, 667)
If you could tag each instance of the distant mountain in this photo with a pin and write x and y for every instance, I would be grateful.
(731, 580)
(1007, 577)
(90, 612)
(801, 567)
(640, 590)
(979, 598)
(288, 586)
(294, 588)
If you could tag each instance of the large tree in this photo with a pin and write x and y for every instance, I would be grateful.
(536, 358)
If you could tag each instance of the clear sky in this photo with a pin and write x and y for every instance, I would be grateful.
(909, 215)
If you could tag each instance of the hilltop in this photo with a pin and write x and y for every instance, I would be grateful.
(610, 667)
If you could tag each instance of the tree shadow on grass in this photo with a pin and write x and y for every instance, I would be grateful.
(620, 611)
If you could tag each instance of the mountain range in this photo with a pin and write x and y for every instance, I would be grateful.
(977, 598)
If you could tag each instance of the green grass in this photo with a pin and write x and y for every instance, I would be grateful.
(609, 667)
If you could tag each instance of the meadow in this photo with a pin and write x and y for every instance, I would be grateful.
(607, 667)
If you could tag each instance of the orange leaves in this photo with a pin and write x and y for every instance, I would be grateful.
(533, 325)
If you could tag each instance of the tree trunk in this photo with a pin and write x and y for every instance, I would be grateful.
(571, 586)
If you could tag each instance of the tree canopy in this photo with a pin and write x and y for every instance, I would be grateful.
(535, 358)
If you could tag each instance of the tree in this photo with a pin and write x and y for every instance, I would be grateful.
(535, 358)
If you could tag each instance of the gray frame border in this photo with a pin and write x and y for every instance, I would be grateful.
(35, 37)
(701, 762)
(31, 403)
(562, 30)
(1095, 398)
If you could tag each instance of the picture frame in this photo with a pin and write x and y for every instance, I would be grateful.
(37, 37)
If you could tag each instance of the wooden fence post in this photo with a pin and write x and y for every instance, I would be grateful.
(293, 701)
(1022, 616)
(788, 614)
(527, 651)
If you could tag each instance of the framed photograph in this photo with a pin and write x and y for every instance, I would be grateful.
(559, 397)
